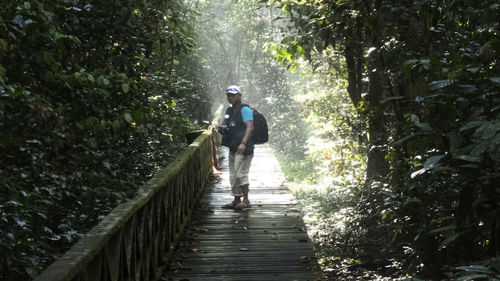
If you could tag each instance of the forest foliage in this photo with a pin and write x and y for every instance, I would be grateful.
(424, 77)
(91, 105)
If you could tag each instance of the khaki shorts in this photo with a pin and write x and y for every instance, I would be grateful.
(239, 165)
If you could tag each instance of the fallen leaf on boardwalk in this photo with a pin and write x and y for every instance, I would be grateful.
(195, 250)
(276, 236)
(243, 249)
(305, 259)
(236, 221)
(178, 266)
(244, 228)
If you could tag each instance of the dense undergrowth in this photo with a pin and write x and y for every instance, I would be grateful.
(91, 106)
(426, 98)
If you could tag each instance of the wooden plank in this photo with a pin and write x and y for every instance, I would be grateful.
(265, 242)
(202, 247)
(293, 253)
(278, 276)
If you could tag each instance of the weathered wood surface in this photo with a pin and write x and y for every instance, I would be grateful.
(265, 242)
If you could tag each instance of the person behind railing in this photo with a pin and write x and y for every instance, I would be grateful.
(236, 130)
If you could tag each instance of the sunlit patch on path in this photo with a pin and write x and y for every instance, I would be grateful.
(265, 242)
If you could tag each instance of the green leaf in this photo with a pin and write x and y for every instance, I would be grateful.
(54, 67)
(414, 119)
(300, 51)
(435, 85)
(32, 272)
(476, 268)
(443, 229)
(432, 161)
(102, 81)
(424, 127)
(473, 69)
(468, 158)
(128, 117)
(3, 44)
(487, 131)
(125, 87)
(407, 138)
(417, 173)
(409, 63)
(495, 79)
(452, 238)
(469, 277)
(105, 92)
(472, 125)
(469, 89)
(398, 98)
(480, 148)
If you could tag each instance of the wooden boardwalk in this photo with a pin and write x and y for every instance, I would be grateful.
(265, 242)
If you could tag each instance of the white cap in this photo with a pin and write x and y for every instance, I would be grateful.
(233, 90)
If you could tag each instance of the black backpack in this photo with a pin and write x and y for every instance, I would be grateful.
(260, 131)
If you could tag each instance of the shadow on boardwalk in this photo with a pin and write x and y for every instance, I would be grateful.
(265, 242)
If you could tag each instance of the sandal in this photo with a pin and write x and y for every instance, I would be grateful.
(242, 205)
(231, 205)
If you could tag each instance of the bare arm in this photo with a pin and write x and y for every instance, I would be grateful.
(246, 137)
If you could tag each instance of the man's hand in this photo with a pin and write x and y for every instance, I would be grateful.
(241, 148)
(246, 137)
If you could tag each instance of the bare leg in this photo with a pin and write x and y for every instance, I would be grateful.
(245, 203)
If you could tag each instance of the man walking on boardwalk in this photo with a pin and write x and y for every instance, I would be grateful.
(237, 129)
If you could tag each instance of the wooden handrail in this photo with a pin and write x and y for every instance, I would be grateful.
(136, 238)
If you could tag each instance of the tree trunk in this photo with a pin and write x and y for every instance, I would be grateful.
(377, 165)
(354, 61)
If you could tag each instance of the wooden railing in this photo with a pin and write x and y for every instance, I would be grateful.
(135, 239)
